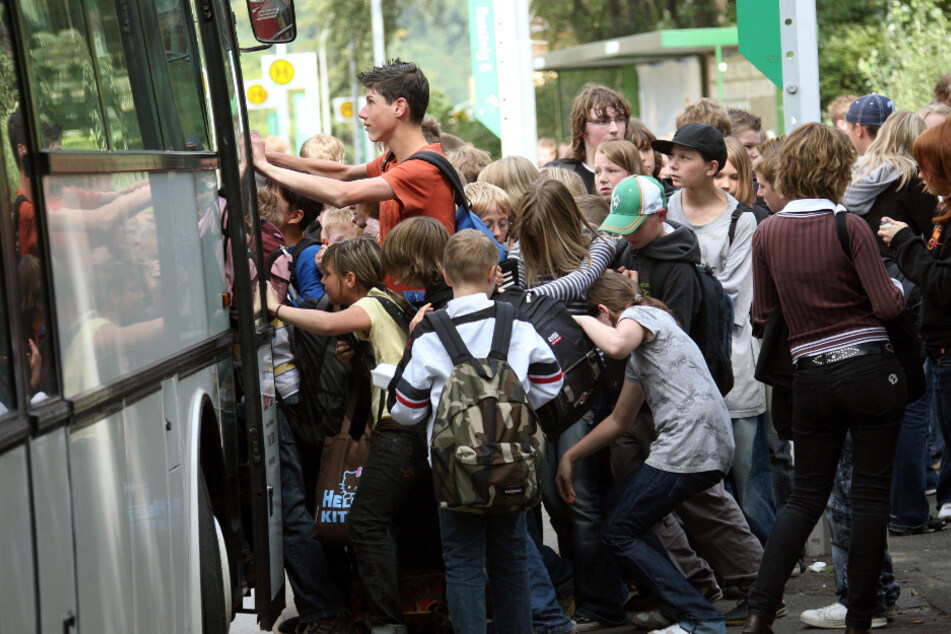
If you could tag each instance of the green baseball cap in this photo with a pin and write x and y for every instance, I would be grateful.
(634, 198)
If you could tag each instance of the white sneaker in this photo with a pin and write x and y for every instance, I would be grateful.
(945, 512)
(673, 629)
(832, 617)
(650, 620)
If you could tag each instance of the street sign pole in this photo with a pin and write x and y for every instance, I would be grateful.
(800, 60)
(516, 78)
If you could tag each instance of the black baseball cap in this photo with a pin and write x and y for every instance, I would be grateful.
(705, 139)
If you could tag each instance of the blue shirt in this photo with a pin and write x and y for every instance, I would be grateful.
(308, 275)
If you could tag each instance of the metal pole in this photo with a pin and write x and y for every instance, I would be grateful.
(357, 126)
(800, 59)
(516, 78)
(719, 55)
(376, 19)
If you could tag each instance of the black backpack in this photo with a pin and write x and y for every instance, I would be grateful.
(579, 358)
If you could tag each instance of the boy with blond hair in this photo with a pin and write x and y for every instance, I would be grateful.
(493, 205)
(323, 146)
(476, 542)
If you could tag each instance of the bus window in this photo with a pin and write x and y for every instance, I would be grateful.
(176, 75)
(35, 329)
(78, 70)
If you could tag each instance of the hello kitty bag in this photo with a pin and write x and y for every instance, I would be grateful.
(341, 465)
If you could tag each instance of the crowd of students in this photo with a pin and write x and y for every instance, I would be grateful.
(670, 492)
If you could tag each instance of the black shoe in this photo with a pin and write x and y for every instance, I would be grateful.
(933, 525)
(739, 614)
(289, 626)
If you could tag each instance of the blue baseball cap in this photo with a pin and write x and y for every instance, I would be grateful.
(870, 109)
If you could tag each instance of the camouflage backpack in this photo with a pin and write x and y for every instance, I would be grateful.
(487, 445)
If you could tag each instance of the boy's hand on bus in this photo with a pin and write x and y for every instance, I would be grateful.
(344, 352)
(566, 470)
(419, 316)
(258, 153)
(36, 363)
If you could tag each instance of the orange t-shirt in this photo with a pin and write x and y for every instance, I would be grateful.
(418, 190)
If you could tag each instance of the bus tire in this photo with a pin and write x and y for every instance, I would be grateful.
(215, 613)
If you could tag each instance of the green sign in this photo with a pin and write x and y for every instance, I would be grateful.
(759, 37)
(485, 70)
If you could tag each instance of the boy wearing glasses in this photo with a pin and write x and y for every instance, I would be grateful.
(493, 205)
(598, 114)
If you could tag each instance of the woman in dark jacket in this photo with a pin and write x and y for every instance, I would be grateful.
(846, 378)
(926, 260)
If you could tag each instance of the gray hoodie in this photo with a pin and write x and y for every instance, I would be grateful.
(861, 195)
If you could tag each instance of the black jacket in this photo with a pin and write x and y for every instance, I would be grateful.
(926, 261)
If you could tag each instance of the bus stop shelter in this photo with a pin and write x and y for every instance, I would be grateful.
(659, 72)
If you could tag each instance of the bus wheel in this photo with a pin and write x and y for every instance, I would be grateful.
(215, 595)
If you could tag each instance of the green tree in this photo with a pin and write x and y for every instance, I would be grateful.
(912, 55)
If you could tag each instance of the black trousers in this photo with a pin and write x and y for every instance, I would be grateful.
(865, 396)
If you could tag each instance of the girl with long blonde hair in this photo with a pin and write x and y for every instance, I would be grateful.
(736, 177)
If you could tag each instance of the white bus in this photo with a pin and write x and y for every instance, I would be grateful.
(139, 471)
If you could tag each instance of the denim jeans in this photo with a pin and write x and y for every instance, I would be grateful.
(599, 590)
(635, 504)
(396, 462)
(909, 502)
(305, 562)
(839, 514)
(865, 396)
(472, 543)
(547, 615)
(751, 478)
(939, 374)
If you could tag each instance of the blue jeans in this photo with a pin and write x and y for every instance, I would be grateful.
(547, 615)
(473, 542)
(939, 375)
(909, 502)
(308, 571)
(635, 504)
(839, 514)
(751, 477)
(599, 590)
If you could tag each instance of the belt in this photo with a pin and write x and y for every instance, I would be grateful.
(937, 353)
(389, 424)
(848, 352)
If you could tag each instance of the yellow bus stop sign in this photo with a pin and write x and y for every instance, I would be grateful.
(281, 72)
(257, 95)
(346, 109)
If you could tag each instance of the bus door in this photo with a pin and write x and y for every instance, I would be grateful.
(226, 95)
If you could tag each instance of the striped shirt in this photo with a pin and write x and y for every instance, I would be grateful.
(572, 288)
(828, 301)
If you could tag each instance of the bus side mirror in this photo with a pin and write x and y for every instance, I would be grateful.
(273, 21)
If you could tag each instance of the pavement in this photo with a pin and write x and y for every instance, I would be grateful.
(922, 567)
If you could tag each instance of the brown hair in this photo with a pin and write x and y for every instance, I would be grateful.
(600, 99)
(933, 152)
(430, 129)
(468, 256)
(398, 79)
(514, 174)
(744, 120)
(413, 250)
(942, 90)
(593, 208)
(362, 257)
(708, 112)
(816, 162)
(767, 163)
(641, 136)
(623, 154)
(550, 230)
(269, 207)
(618, 293)
(469, 161)
(737, 157)
(838, 107)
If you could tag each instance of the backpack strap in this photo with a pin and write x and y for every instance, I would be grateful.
(842, 231)
(502, 335)
(386, 160)
(741, 208)
(16, 222)
(393, 311)
(452, 342)
(448, 172)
